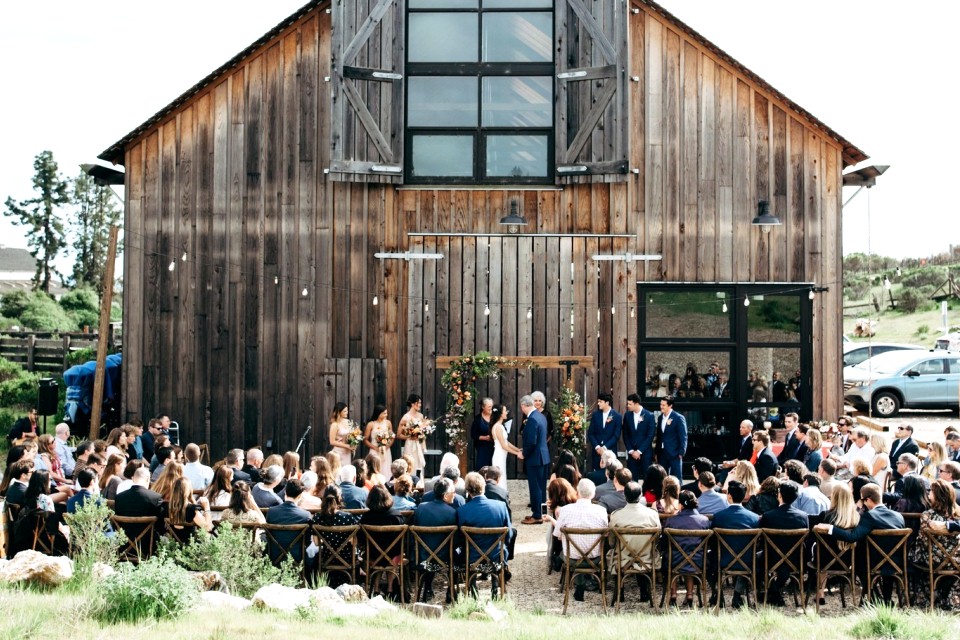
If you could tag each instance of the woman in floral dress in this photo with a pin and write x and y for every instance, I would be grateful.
(943, 507)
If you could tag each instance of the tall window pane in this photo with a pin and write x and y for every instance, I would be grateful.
(772, 318)
(516, 156)
(688, 314)
(689, 375)
(517, 37)
(442, 156)
(517, 102)
(442, 37)
(442, 101)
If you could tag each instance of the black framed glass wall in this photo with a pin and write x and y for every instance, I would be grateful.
(722, 359)
(479, 91)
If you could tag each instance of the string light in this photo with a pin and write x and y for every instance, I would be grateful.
(486, 309)
(631, 312)
(276, 279)
(304, 293)
(724, 307)
(811, 295)
(426, 306)
(184, 257)
(529, 313)
(746, 301)
(613, 310)
(376, 300)
(173, 265)
(886, 283)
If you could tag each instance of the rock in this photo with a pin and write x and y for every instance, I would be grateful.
(352, 593)
(380, 604)
(219, 600)
(478, 615)
(210, 580)
(33, 566)
(326, 594)
(100, 571)
(495, 614)
(425, 610)
(275, 596)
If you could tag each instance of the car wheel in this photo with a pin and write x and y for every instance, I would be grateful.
(886, 404)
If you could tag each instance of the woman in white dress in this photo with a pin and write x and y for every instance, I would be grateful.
(412, 445)
(379, 426)
(339, 430)
(501, 445)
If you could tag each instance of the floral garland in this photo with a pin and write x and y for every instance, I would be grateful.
(569, 418)
(459, 384)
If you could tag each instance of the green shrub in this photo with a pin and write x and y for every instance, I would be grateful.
(81, 355)
(85, 318)
(89, 542)
(20, 390)
(153, 590)
(13, 304)
(7, 324)
(81, 299)
(910, 301)
(42, 313)
(923, 330)
(241, 561)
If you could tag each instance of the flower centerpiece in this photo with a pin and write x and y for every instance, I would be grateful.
(459, 384)
(569, 418)
(355, 437)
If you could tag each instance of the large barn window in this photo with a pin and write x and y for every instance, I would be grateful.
(479, 91)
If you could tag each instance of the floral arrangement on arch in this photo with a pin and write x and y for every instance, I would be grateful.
(459, 384)
(569, 420)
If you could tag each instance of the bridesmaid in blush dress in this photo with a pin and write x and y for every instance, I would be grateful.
(339, 430)
(412, 445)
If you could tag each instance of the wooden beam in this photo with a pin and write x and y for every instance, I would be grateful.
(105, 303)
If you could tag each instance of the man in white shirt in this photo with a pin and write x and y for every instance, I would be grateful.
(200, 475)
(811, 500)
(860, 449)
(582, 514)
(64, 453)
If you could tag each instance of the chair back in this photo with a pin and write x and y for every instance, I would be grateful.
(584, 554)
(286, 540)
(433, 552)
(942, 563)
(338, 549)
(687, 550)
(887, 558)
(737, 550)
(384, 553)
(11, 511)
(633, 557)
(43, 539)
(140, 532)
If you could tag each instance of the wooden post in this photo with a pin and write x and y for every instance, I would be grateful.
(105, 303)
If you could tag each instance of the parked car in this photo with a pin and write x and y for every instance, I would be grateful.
(856, 352)
(904, 379)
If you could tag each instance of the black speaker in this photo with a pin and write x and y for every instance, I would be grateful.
(47, 397)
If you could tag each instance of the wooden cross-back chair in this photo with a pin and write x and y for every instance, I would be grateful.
(433, 554)
(739, 564)
(12, 511)
(491, 558)
(783, 550)
(140, 545)
(887, 559)
(337, 558)
(579, 545)
(388, 558)
(279, 549)
(682, 562)
(834, 562)
(641, 561)
(941, 563)
(44, 540)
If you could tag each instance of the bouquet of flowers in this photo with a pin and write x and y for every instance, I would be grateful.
(420, 429)
(568, 415)
(355, 437)
(384, 438)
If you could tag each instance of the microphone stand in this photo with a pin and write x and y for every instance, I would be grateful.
(303, 438)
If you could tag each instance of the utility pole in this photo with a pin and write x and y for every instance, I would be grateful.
(105, 304)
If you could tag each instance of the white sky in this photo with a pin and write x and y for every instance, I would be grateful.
(77, 76)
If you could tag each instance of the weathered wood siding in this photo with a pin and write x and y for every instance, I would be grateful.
(235, 179)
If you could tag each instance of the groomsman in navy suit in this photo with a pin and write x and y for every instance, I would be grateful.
(604, 430)
(639, 425)
(671, 438)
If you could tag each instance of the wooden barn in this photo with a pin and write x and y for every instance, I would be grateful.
(277, 211)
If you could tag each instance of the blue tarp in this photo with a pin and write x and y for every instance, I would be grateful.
(79, 380)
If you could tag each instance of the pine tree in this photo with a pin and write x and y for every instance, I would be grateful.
(45, 234)
(94, 214)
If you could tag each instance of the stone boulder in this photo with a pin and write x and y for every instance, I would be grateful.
(33, 566)
(352, 593)
(220, 600)
(275, 596)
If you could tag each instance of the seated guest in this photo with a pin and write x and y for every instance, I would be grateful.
(570, 474)
(37, 503)
(164, 455)
(374, 461)
(138, 500)
(87, 480)
(582, 514)
(331, 514)
(653, 484)
(768, 497)
(735, 516)
(636, 514)
(913, 496)
(397, 468)
(452, 474)
(19, 476)
(403, 494)
(449, 464)
(827, 471)
(170, 473)
(494, 490)
(307, 499)
(354, 497)
(320, 466)
(765, 463)
(380, 513)
(842, 513)
(907, 466)
(263, 492)
(128, 470)
(784, 516)
(234, 460)
(811, 500)
(438, 512)
(943, 508)
(687, 518)
(814, 454)
(218, 493)
(252, 467)
(291, 465)
(669, 502)
(566, 458)
(610, 471)
(950, 472)
(711, 500)
(287, 513)
(242, 509)
(599, 475)
(199, 474)
(80, 456)
(185, 516)
(479, 511)
(700, 465)
(560, 493)
(111, 478)
(411, 469)
(616, 499)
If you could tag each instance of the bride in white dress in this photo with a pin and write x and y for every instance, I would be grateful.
(501, 445)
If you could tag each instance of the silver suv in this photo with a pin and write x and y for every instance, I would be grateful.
(904, 379)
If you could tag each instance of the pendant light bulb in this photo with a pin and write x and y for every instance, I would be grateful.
(376, 300)
(746, 301)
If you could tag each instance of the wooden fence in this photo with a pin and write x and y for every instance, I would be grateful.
(48, 351)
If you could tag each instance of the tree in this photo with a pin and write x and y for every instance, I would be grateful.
(45, 235)
(94, 214)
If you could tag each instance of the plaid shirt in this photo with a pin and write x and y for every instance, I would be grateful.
(582, 514)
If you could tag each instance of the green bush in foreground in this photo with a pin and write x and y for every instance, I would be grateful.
(89, 541)
(153, 590)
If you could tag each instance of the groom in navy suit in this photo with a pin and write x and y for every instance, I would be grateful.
(604, 430)
(671, 438)
(639, 426)
(536, 456)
